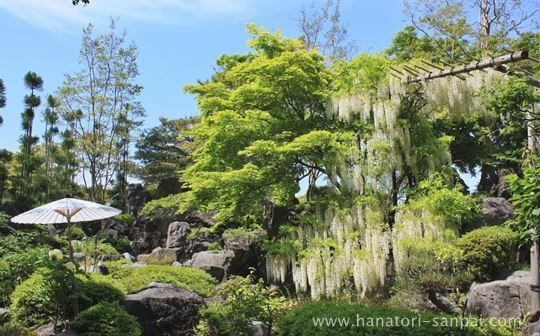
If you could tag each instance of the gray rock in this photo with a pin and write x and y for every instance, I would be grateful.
(177, 234)
(510, 298)
(149, 232)
(136, 198)
(79, 256)
(53, 231)
(128, 256)
(101, 268)
(135, 264)
(114, 228)
(165, 310)
(111, 257)
(258, 328)
(246, 254)
(177, 264)
(496, 210)
(49, 330)
(159, 256)
(241, 241)
(3, 315)
(217, 264)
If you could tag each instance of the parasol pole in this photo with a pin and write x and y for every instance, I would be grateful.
(68, 214)
(69, 237)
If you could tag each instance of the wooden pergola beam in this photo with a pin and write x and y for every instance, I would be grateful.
(492, 62)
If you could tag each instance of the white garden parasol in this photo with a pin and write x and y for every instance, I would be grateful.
(66, 210)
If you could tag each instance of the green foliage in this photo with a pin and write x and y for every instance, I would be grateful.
(109, 66)
(90, 248)
(18, 266)
(406, 45)
(135, 279)
(214, 247)
(123, 244)
(302, 321)
(451, 265)
(16, 330)
(364, 73)
(76, 233)
(526, 201)
(125, 218)
(34, 300)
(164, 151)
(51, 292)
(105, 319)
(95, 288)
(431, 268)
(443, 266)
(488, 252)
(245, 300)
(264, 128)
(509, 100)
(449, 204)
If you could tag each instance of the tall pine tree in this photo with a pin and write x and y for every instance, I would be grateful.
(28, 140)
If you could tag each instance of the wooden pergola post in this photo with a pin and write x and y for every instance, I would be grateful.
(535, 249)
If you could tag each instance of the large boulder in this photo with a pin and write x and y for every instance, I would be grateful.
(496, 210)
(55, 330)
(114, 228)
(201, 242)
(151, 231)
(215, 263)
(159, 256)
(177, 234)
(510, 298)
(245, 254)
(165, 310)
(135, 199)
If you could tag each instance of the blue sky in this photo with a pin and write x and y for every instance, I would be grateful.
(178, 42)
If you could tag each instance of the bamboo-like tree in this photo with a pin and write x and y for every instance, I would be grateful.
(50, 118)
(5, 156)
(2, 99)
(28, 161)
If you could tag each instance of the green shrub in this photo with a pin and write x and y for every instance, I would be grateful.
(448, 204)
(488, 252)
(100, 288)
(385, 321)
(526, 199)
(125, 218)
(122, 245)
(245, 300)
(89, 248)
(135, 279)
(76, 233)
(214, 247)
(15, 330)
(50, 293)
(105, 319)
(15, 267)
(19, 240)
(33, 303)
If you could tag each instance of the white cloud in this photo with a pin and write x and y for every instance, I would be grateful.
(61, 15)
